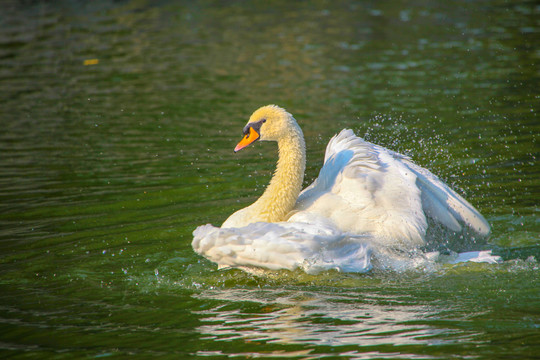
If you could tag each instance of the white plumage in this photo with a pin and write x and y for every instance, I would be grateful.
(284, 245)
(365, 188)
(365, 198)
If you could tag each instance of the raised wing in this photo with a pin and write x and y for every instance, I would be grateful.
(443, 204)
(365, 188)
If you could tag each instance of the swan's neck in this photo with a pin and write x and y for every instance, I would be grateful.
(281, 194)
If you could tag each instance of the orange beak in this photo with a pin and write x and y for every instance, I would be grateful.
(248, 139)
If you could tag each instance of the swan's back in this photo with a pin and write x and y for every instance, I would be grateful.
(365, 188)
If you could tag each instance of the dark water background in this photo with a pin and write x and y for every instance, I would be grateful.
(106, 169)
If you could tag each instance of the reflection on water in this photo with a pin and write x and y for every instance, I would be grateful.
(319, 318)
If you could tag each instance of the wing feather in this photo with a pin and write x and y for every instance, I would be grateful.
(445, 205)
(363, 187)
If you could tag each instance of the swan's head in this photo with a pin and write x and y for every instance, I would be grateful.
(269, 122)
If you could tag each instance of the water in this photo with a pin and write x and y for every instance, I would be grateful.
(106, 169)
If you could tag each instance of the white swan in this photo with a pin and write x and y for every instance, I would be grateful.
(365, 196)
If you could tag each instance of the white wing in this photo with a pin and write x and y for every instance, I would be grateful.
(444, 205)
(365, 188)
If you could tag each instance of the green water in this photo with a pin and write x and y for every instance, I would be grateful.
(106, 169)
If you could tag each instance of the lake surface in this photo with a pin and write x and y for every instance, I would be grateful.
(118, 121)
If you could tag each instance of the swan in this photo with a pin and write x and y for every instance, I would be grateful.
(366, 197)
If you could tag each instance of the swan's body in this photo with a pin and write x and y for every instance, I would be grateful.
(365, 192)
